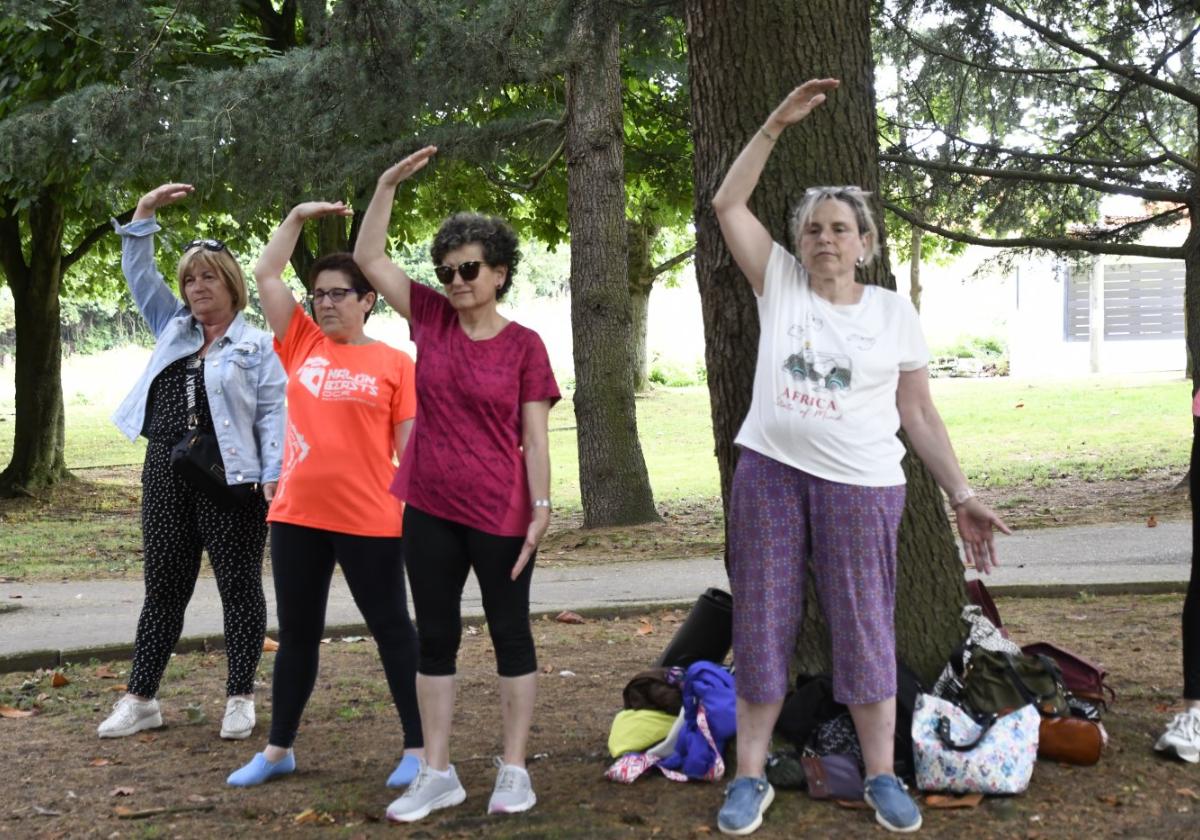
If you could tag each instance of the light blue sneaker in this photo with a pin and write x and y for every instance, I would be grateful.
(746, 800)
(260, 770)
(405, 772)
(894, 808)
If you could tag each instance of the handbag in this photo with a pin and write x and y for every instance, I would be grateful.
(1084, 679)
(995, 682)
(655, 688)
(706, 634)
(1070, 740)
(955, 753)
(832, 776)
(196, 457)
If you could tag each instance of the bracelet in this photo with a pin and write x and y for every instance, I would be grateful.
(961, 497)
(766, 134)
(537, 503)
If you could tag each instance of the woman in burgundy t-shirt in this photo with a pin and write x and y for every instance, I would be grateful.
(475, 478)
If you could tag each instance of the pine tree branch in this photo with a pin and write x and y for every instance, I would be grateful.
(1175, 158)
(91, 239)
(1150, 194)
(1041, 242)
(534, 179)
(1124, 70)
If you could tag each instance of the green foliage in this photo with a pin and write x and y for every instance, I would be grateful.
(973, 347)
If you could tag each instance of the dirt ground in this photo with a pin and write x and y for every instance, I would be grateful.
(61, 781)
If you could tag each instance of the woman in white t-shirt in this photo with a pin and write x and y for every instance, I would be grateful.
(818, 487)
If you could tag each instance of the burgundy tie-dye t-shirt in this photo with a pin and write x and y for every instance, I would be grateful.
(464, 460)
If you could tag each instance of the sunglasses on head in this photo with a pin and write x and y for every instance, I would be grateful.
(206, 244)
(466, 270)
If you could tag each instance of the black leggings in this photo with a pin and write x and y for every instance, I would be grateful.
(440, 554)
(302, 562)
(178, 523)
(1191, 605)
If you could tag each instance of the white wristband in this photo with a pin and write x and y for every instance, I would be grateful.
(537, 503)
(961, 496)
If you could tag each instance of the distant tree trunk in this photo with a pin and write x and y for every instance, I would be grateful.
(613, 481)
(914, 266)
(735, 83)
(37, 459)
(641, 282)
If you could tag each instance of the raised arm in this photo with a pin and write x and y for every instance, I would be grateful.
(370, 249)
(277, 301)
(150, 291)
(747, 238)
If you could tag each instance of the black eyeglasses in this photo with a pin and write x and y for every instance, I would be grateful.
(467, 271)
(206, 244)
(337, 295)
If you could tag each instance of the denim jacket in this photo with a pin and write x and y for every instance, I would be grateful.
(245, 381)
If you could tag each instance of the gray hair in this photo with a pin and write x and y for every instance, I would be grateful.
(853, 197)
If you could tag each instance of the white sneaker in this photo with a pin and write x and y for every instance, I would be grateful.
(239, 719)
(1182, 736)
(428, 792)
(130, 715)
(513, 792)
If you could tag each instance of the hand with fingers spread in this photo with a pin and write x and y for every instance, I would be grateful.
(977, 524)
(316, 209)
(408, 167)
(161, 196)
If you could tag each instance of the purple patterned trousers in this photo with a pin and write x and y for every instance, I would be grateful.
(783, 523)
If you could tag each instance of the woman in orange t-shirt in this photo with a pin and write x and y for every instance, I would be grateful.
(351, 403)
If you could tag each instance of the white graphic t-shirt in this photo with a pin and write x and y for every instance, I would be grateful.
(825, 381)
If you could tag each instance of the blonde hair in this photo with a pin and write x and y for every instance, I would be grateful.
(853, 197)
(223, 263)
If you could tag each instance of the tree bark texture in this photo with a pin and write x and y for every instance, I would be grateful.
(641, 283)
(37, 460)
(613, 481)
(743, 59)
(914, 266)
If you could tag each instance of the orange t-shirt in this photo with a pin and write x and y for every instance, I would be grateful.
(343, 404)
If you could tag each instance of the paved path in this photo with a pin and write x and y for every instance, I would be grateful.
(86, 615)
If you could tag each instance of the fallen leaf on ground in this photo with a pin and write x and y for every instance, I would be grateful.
(966, 800)
(58, 680)
(1151, 521)
(1019, 405)
(195, 797)
(1188, 792)
(546, 669)
(121, 791)
(270, 645)
(147, 738)
(46, 812)
(99, 762)
(568, 617)
(645, 628)
(354, 638)
(118, 687)
(1109, 799)
(194, 714)
(106, 673)
(10, 712)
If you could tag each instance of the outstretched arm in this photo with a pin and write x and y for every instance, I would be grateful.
(153, 296)
(370, 249)
(277, 301)
(747, 238)
(927, 433)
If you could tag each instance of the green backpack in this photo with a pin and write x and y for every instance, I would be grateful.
(995, 682)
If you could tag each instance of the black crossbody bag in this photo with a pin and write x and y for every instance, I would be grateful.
(196, 458)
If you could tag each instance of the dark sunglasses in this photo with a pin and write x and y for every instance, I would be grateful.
(337, 295)
(206, 244)
(467, 271)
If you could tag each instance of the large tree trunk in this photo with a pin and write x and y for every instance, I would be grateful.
(735, 82)
(613, 481)
(641, 282)
(37, 460)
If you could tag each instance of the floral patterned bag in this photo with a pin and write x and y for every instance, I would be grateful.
(955, 753)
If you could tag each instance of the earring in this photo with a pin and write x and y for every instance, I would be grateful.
(860, 262)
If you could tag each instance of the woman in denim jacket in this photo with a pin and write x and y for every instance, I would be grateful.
(204, 348)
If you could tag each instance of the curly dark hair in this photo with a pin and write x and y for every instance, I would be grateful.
(497, 237)
(343, 263)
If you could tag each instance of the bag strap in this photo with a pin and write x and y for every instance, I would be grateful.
(943, 732)
(1028, 694)
(193, 364)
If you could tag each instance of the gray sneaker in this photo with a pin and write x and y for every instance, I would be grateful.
(513, 792)
(1182, 736)
(428, 792)
(130, 715)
